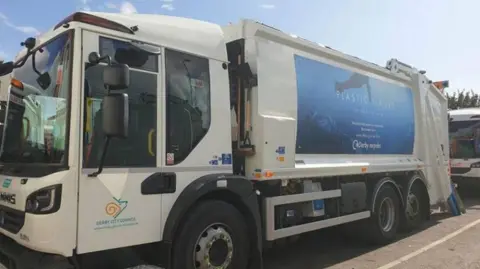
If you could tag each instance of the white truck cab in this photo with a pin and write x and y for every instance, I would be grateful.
(464, 132)
(4, 85)
(161, 140)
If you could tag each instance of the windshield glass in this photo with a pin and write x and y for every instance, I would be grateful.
(464, 139)
(37, 108)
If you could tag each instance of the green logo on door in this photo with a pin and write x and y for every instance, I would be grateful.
(6, 183)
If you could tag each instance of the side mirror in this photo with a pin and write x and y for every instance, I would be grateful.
(115, 122)
(44, 80)
(116, 76)
(115, 115)
(6, 68)
(132, 57)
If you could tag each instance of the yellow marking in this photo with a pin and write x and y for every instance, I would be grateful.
(150, 142)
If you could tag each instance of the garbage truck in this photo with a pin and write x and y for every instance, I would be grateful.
(184, 144)
(464, 133)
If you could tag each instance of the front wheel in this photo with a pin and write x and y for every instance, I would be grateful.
(214, 235)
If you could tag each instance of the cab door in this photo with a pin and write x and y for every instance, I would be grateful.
(115, 207)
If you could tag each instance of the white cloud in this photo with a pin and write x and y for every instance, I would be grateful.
(84, 5)
(127, 8)
(3, 56)
(168, 7)
(24, 29)
(28, 30)
(110, 5)
(168, 1)
(267, 6)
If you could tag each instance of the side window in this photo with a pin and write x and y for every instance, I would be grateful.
(187, 104)
(143, 60)
(139, 149)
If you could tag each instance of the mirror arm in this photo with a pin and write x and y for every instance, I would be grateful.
(96, 60)
(29, 43)
(24, 60)
(34, 66)
(20, 64)
(88, 65)
(109, 60)
(102, 160)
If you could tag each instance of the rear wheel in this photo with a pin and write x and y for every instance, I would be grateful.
(214, 235)
(383, 224)
(416, 206)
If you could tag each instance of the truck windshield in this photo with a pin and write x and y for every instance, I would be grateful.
(36, 129)
(464, 139)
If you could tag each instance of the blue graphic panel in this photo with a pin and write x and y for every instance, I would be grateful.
(343, 112)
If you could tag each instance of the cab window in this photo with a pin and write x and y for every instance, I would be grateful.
(139, 149)
(187, 103)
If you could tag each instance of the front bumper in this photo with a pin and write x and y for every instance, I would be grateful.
(16, 256)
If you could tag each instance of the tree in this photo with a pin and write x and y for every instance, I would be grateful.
(463, 99)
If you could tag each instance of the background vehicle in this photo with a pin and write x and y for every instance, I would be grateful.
(464, 132)
(154, 173)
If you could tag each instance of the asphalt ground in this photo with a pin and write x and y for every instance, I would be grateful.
(443, 242)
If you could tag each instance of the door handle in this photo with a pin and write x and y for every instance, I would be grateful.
(159, 183)
(150, 142)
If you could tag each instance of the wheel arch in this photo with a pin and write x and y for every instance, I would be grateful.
(384, 182)
(418, 178)
(235, 190)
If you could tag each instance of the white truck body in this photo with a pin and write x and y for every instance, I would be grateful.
(115, 209)
(465, 161)
(275, 110)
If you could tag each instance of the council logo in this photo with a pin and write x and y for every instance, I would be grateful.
(114, 209)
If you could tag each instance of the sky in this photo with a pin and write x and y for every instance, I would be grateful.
(439, 36)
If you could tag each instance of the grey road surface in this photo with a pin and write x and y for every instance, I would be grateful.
(329, 249)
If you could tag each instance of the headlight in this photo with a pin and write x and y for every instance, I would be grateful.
(475, 165)
(44, 201)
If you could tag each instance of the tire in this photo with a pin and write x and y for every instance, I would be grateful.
(380, 233)
(206, 223)
(416, 208)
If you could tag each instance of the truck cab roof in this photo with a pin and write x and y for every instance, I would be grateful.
(184, 34)
(464, 114)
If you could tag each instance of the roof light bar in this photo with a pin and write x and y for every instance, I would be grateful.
(94, 20)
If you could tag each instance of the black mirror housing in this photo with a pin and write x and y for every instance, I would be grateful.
(6, 68)
(131, 57)
(44, 80)
(115, 115)
(116, 76)
(94, 58)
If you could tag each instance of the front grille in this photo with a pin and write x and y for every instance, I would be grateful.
(460, 170)
(11, 220)
(6, 262)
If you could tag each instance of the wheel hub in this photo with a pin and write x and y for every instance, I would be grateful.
(413, 206)
(214, 249)
(387, 214)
